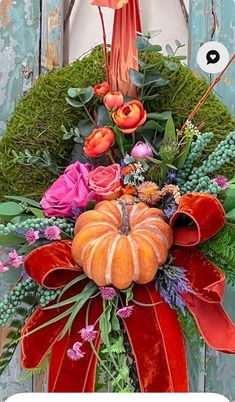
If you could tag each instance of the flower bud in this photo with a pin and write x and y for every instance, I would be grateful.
(141, 150)
(101, 89)
(113, 100)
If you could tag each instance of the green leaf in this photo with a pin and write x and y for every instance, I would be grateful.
(229, 203)
(183, 156)
(11, 240)
(231, 215)
(159, 116)
(169, 50)
(85, 127)
(170, 133)
(71, 283)
(150, 97)
(136, 78)
(153, 160)
(120, 140)
(37, 212)
(150, 125)
(10, 208)
(129, 295)
(103, 116)
(24, 200)
(84, 95)
(73, 92)
(143, 45)
(171, 65)
(73, 299)
(105, 325)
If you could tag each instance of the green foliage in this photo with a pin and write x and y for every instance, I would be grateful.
(41, 160)
(36, 123)
(221, 251)
(191, 333)
(37, 371)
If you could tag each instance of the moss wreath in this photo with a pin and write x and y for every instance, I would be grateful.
(36, 123)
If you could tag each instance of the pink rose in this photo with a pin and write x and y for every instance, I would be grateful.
(69, 192)
(106, 181)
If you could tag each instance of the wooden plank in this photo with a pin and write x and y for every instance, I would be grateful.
(52, 34)
(19, 52)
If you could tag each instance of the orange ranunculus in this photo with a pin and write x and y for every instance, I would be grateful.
(100, 140)
(126, 170)
(101, 89)
(113, 100)
(130, 116)
(110, 3)
(129, 190)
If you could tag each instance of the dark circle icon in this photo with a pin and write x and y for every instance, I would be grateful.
(212, 57)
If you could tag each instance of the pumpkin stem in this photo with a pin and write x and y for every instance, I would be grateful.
(125, 226)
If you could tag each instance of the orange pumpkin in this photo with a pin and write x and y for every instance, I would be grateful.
(121, 241)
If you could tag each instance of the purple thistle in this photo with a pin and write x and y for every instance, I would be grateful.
(171, 175)
(76, 211)
(125, 312)
(221, 181)
(107, 293)
(88, 334)
(170, 283)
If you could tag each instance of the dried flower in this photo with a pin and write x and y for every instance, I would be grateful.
(75, 353)
(149, 192)
(107, 293)
(125, 312)
(221, 181)
(3, 268)
(15, 260)
(88, 334)
(31, 236)
(172, 189)
(52, 233)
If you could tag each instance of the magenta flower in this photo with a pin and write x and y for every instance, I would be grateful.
(221, 181)
(75, 353)
(3, 268)
(107, 293)
(88, 334)
(15, 260)
(125, 312)
(52, 233)
(141, 150)
(31, 236)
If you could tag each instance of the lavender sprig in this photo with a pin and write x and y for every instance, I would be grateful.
(171, 282)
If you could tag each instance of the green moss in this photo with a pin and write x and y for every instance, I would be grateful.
(36, 123)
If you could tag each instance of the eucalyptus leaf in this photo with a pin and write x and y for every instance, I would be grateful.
(85, 127)
(103, 116)
(150, 125)
(74, 103)
(24, 200)
(169, 50)
(158, 116)
(136, 78)
(10, 208)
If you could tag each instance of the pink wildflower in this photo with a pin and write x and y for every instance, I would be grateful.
(221, 181)
(75, 353)
(3, 268)
(107, 293)
(88, 334)
(31, 236)
(52, 233)
(125, 312)
(15, 260)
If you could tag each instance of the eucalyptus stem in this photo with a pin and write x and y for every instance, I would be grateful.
(89, 115)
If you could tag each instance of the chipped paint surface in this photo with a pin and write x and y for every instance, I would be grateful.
(214, 20)
(52, 37)
(19, 39)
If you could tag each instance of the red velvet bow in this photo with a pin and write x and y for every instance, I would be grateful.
(154, 332)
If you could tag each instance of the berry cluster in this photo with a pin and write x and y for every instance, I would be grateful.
(38, 224)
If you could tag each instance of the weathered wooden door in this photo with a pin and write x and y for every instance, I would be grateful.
(215, 20)
(31, 43)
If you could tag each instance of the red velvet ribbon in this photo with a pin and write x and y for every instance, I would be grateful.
(154, 331)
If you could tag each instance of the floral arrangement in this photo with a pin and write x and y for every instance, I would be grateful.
(130, 242)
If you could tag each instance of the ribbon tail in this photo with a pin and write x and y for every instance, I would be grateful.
(158, 346)
(66, 375)
(124, 54)
(207, 282)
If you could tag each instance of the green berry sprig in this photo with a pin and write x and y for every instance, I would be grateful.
(195, 153)
(38, 224)
(47, 296)
(223, 153)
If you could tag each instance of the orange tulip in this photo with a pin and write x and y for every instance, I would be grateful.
(100, 140)
(110, 3)
(101, 89)
(113, 100)
(130, 116)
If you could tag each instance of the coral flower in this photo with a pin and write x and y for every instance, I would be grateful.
(129, 190)
(99, 142)
(101, 89)
(149, 192)
(130, 116)
(113, 100)
(127, 169)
